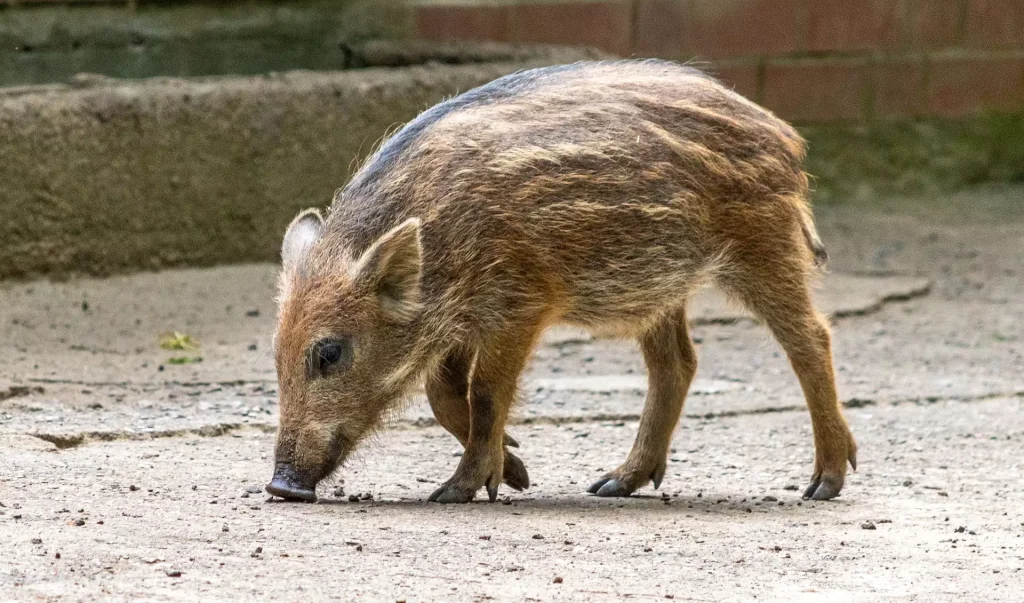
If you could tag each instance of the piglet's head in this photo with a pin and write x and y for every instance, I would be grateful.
(343, 345)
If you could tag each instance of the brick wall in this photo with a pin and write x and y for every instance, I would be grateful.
(45, 41)
(809, 60)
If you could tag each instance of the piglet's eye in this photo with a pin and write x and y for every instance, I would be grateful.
(331, 354)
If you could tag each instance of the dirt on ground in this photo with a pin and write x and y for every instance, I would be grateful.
(134, 472)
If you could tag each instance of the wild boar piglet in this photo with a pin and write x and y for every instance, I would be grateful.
(598, 194)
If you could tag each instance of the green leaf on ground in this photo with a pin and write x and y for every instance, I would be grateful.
(178, 341)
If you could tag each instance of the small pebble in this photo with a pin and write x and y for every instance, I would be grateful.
(557, 580)
(868, 525)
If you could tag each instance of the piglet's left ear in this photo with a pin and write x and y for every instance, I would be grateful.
(300, 236)
(391, 269)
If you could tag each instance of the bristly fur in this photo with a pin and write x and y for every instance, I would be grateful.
(600, 194)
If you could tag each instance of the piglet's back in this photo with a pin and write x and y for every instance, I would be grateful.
(585, 174)
(607, 132)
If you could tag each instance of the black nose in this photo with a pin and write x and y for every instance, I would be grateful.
(287, 485)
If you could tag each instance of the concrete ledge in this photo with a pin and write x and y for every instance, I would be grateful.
(107, 176)
(922, 156)
(100, 176)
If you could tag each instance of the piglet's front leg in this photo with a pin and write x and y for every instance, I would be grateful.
(448, 394)
(492, 390)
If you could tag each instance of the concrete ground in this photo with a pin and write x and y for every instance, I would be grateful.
(128, 476)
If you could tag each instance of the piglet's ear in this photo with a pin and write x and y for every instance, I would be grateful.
(299, 238)
(391, 269)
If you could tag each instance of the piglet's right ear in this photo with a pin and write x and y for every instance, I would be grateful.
(301, 234)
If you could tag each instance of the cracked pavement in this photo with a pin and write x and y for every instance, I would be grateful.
(929, 345)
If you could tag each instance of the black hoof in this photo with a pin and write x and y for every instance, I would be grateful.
(450, 493)
(610, 487)
(515, 473)
(821, 489)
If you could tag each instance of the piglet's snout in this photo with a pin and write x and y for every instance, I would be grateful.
(289, 485)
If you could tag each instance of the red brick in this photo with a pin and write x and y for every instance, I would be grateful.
(899, 89)
(660, 29)
(725, 28)
(967, 86)
(462, 22)
(848, 25)
(816, 91)
(741, 78)
(604, 25)
(934, 23)
(995, 24)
